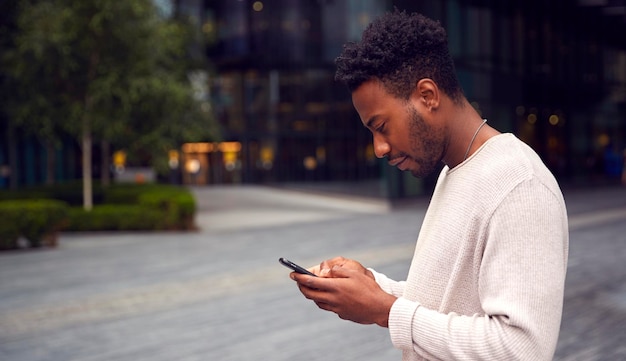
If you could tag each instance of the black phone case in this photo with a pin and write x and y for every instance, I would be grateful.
(287, 263)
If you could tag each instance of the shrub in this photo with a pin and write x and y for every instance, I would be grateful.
(38, 221)
(128, 193)
(115, 218)
(177, 206)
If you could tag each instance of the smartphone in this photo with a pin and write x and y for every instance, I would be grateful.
(287, 263)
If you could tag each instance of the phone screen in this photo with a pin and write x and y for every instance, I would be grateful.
(287, 263)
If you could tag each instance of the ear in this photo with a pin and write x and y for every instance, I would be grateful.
(427, 94)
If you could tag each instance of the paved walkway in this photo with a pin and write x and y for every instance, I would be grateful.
(220, 294)
(234, 208)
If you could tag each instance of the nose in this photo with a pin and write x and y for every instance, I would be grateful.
(381, 147)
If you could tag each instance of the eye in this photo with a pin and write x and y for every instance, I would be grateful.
(380, 128)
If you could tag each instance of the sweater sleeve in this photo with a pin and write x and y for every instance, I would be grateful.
(521, 283)
(388, 285)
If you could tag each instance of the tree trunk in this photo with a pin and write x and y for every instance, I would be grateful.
(86, 136)
(105, 163)
(86, 145)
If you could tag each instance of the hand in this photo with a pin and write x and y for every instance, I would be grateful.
(349, 292)
(324, 268)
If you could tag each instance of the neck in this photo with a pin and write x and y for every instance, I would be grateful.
(467, 132)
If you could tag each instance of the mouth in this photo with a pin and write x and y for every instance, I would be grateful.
(398, 162)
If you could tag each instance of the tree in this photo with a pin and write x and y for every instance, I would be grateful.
(104, 70)
(8, 30)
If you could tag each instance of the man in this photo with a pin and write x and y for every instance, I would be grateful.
(487, 277)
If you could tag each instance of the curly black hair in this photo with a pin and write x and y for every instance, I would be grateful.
(399, 49)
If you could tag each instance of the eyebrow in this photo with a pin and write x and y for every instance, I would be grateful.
(371, 120)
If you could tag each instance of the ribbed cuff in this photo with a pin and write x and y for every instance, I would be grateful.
(401, 323)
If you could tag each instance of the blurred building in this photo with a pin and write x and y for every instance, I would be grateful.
(552, 72)
(273, 90)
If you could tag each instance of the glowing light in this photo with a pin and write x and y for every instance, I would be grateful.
(198, 147)
(119, 158)
(267, 154)
(173, 159)
(257, 6)
(266, 160)
(532, 118)
(554, 119)
(211, 147)
(310, 163)
(320, 154)
(230, 147)
(192, 166)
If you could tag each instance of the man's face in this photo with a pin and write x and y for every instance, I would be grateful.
(400, 133)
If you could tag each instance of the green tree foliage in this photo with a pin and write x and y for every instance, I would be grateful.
(108, 71)
(8, 29)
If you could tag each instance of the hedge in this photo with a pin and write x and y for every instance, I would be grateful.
(118, 207)
(138, 207)
(178, 207)
(38, 221)
(115, 218)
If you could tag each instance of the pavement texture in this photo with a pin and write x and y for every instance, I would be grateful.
(220, 293)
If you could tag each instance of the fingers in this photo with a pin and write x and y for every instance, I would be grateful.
(326, 266)
(310, 282)
(340, 272)
(321, 298)
(324, 272)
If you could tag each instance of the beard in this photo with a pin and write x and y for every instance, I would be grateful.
(427, 145)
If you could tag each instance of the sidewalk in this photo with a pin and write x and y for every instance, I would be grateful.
(220, 294)
(230, 207)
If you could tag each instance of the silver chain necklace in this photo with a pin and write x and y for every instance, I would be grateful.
(473, 138)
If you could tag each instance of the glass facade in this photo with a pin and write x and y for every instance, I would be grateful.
(527, 66)
(274, 89)
(552, 72)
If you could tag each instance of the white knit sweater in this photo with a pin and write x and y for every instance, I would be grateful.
(486, 281)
